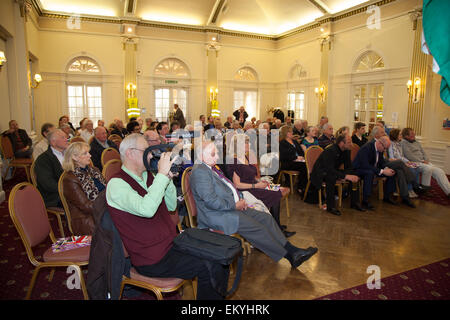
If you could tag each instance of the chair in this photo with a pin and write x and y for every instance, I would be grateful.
(354, 151)
(28, 213)
(157, 285)
(64, 201)
(291, 175)
(111, 168)
(192, 209)
(56, 211)
(77, 139)
(116, 139)
(8, 154)
(109, 154)
(90, 140)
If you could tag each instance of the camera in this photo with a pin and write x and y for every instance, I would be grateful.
(152, 165)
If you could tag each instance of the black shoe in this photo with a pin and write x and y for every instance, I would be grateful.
(283, 227)
(356, 206)
(300, 256)
(390, 201)
(367, 206)
(425, 187)
(334, 211)
(288, 234)
(408, 202)
(419, 189)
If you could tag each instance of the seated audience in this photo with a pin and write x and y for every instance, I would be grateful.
(370, 162)
(63, 121)
(343, 130)
(323, 120)
(20, 141)
(292, 156)
(119, 128)
(245, 177)
(162, 129)
(395, 152)
(42, 145)
(148, 124)
(376, 133)
(220, 206)
(288, 121)
(174, 125)
(139, 204)
(310, 138)
(48, 168)
(88, 132)
(277, 124)
(327, 168)
(133, 127)
(359, 136)
(228, 123)
(327, 136)
(67, 130)
(210, 124)
(298, 129)
(81, 127)
(413, 151)
(83, 185)
(98, 145)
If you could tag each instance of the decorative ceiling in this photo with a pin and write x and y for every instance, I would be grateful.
(263, 17)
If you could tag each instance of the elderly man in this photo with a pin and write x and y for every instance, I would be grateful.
(298, 128)
(98, 144)
(277, 124)
(220, 206)
(48, 168)
(42, 145)
(229, 122)
(139, 203)
(327, 136)
(376, 133)
(370, 162)
(120, 129)
(412, 150)
(21, 142)
(179, 116)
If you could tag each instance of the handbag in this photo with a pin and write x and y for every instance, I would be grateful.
(214, 248)
(254, 203)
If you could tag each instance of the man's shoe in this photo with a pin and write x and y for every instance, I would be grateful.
(300, 256)
(419, 189)
(283, 227)
(390, 201)
(367, 206)
(288, 234)
(356, 206)
(408, 203)
(425, 187)
(334, 211)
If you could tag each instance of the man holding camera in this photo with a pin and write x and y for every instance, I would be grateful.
(139, 203)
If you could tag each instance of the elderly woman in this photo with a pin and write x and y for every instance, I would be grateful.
(88, 132)
(292, 156)
(84, 187)
(246, 178)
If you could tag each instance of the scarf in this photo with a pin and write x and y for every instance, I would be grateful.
(86, 177)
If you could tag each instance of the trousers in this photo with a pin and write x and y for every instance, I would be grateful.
(428, 171)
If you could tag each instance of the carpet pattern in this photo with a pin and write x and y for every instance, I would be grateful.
(436, 195)
(430, 282)
(16, 270)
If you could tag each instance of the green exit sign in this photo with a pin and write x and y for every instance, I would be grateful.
(171, 81)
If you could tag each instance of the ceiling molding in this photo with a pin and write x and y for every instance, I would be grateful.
(216, 10)
(320, 6)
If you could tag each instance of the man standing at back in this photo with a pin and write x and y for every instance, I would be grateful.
(179, 116)
(48, 168)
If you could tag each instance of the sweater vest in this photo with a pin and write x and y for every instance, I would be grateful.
(147, 240)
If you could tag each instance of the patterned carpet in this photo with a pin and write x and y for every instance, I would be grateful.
(430, 282)
(436, 194)
(16, 270)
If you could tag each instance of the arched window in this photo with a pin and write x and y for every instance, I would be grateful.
(83, 64)
(84, 97)
(246, 74)
(167, 96)
(246, 97)
(368, 97)
(369, 61)
(172, 67)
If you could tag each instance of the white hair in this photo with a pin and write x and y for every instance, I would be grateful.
(326, 126)
(129, 142)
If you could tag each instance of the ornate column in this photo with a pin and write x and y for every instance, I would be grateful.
(212, 53)
(130, 73)
(325, 41)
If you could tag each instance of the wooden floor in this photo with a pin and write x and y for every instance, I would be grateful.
(395, 238)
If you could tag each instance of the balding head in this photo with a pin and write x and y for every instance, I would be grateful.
(100, 134)
(152, 138)
(208, 153)
(58, 139)
(383, 143)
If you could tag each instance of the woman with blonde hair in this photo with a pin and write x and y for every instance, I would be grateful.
(292, 156)
(84, 187)
(310, 138)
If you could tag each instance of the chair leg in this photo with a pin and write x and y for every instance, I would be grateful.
(279, 178)
(380, 190)
(61, 229)
(292, 184)
(82, 282)
(287, 207)
(32, 282)
(306, 190)
(320, 198)
(50, 276)
(194, 287)
(27, 171)
(340, 195)
(122, 285)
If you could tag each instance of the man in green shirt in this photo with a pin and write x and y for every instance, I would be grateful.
(139, 204)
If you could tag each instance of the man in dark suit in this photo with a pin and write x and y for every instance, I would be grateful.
(98, 144)
(179, 116)
(328, 168)
(21, 143)
(120, 129)
(220, 206)
(48, 168)
(240, 115)
(327, 137)
(370, 162)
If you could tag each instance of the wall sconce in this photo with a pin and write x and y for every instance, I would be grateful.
(213, 93)
(37, 80)
(320, 93)
(131, 89)
(414, 89)
(2, 59)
